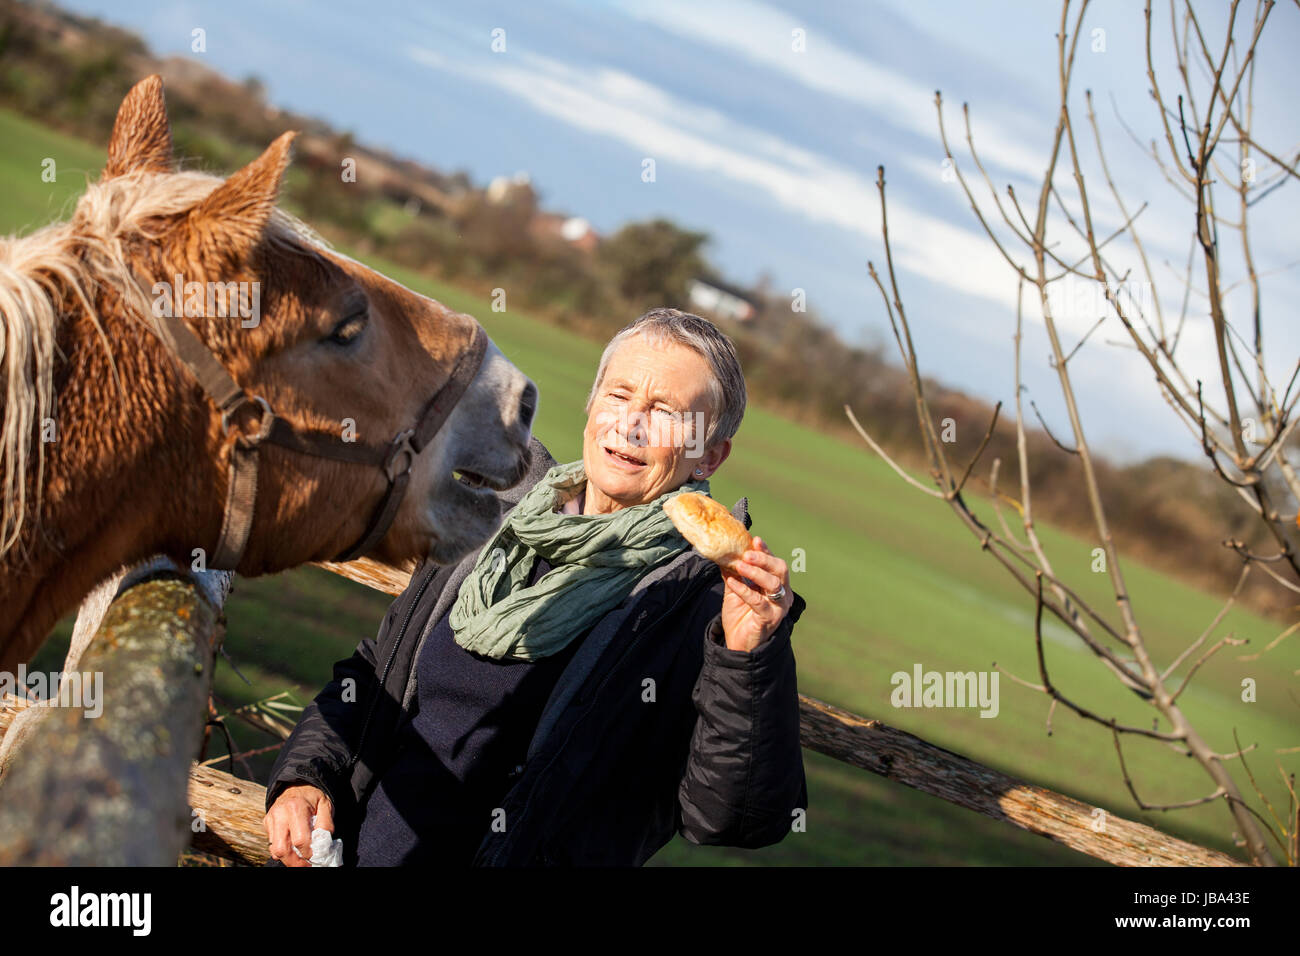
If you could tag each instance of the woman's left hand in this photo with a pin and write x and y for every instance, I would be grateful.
(749, 617)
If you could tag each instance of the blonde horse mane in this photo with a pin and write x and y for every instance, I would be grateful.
(75, 258)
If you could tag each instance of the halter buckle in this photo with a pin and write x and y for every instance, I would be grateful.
(265, 419)
(400, 448)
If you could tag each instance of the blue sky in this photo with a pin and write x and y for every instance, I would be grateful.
(773, 152)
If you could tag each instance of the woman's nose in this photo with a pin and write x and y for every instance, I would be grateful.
(632, 427)
(638, 429)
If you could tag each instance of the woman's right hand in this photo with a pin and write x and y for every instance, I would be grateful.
(288, 822)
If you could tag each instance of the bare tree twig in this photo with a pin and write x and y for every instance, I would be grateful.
(1128, 782)
(978, 451)
(1048, 431)
(889, 461)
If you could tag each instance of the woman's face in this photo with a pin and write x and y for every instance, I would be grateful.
(653, 407)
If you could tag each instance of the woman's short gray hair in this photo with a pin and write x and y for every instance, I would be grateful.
(726, 380)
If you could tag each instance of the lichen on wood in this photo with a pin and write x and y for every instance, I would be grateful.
(111, 790)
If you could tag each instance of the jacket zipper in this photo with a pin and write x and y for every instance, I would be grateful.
(388, 665)
(499, 850)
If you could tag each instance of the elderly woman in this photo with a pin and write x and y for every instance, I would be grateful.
(586, 684)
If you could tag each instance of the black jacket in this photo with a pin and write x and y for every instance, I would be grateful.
(610, 775)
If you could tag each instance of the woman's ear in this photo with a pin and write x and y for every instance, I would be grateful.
(714, 457)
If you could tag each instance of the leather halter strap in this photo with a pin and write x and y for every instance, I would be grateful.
(394, 459)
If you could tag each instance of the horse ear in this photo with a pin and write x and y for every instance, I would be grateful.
(234, 215)
(142, 137)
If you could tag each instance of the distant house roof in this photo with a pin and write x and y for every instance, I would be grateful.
(572, 229)
(502, 186)
(721, 299)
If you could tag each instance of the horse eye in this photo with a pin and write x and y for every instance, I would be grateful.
(347, 331)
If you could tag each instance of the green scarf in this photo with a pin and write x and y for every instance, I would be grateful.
(596, 561)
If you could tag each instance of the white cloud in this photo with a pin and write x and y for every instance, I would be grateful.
(611, 103)
(762, 34)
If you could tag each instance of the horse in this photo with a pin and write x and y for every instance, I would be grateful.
(310, 409)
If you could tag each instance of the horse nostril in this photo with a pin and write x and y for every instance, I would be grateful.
(528, 405)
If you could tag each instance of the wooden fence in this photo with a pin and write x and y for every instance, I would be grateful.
(122, 789)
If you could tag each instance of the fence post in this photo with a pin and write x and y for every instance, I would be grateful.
(102, 779)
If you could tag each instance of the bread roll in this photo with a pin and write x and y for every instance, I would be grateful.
(709, 527)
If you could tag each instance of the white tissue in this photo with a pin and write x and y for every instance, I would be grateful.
(325, 850)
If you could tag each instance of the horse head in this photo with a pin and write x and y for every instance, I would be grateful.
(139, 459)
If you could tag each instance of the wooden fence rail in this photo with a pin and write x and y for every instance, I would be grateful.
(114, 790)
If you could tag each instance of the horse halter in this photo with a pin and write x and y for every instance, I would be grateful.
(394, 459)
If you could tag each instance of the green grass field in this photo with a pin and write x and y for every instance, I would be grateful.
(891, 580)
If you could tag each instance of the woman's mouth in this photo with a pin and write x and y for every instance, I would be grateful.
(625, 461)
